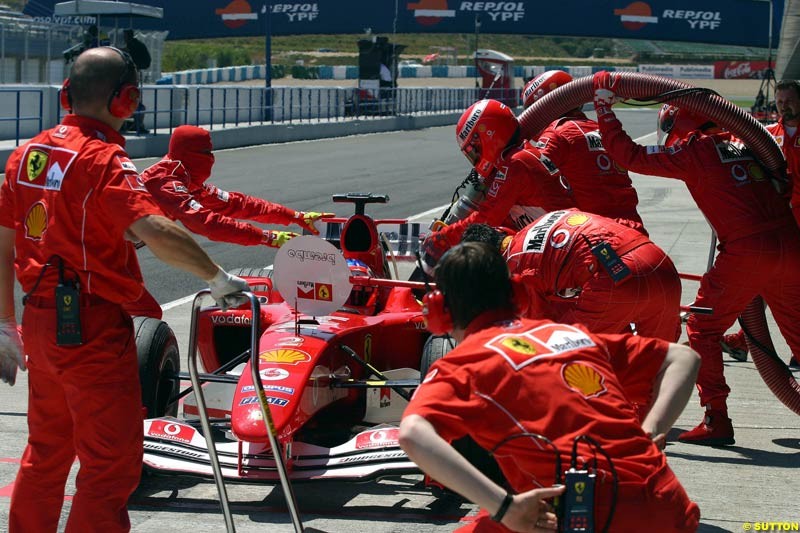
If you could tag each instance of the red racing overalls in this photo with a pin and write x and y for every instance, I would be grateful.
(71, 193)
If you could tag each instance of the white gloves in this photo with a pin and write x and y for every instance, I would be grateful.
(12, 355)
(223, 287)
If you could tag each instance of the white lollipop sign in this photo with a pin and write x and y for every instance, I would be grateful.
(312, 275)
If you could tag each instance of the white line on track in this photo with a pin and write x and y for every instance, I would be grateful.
(186, 299)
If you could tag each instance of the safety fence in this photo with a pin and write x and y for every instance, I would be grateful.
(30, 109)
(707, 71)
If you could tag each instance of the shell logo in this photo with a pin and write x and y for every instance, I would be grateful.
(584, 379)
(519, 345)
(37, 162)
(36, 221)
(577, 220)
(284, 357)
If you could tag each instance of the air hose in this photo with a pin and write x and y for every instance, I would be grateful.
(634, 85)
(647, 87)
(772, 369)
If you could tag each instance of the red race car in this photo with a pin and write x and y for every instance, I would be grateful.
(339, 343)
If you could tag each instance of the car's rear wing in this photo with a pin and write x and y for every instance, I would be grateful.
(403, 238)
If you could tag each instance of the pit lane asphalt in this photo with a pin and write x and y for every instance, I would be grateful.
(754, 481)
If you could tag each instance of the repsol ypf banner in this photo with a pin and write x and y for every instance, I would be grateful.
(739, 22)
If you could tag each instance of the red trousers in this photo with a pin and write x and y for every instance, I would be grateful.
(650, 298)
(83, 401)
(659, 505)
(765, 264)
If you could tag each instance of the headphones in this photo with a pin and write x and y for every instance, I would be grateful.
(124, 99)
(437, 317)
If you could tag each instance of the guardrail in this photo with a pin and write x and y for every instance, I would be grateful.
(221, 106)
(232, 105)
(27, 105)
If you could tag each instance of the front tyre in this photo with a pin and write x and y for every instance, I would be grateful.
(159, 364)
(436, 347)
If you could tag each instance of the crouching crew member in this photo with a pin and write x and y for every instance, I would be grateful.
(514, 384)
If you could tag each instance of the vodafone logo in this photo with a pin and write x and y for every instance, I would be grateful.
(378, 438)
(560, 238)
(171, 431)
(430, 12)
(636, 16)
(274, 374)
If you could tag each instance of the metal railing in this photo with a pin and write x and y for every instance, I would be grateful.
(27, 105)
(215, 107)
(231, 105)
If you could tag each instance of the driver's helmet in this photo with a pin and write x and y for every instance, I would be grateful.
(674, 124)
(543, 84)
(483, 133)
(361, 296)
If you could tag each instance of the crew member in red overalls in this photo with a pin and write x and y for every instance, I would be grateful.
(509, 378)
(573, 143)
(759, 241)
(70, 205)
(519, 183)
(787, 102)
(582, 268)
(179, 185)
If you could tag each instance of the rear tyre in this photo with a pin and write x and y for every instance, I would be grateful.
(159, 364)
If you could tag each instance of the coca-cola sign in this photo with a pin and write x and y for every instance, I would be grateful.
(732, 70)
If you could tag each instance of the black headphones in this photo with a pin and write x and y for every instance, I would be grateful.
(124, 99)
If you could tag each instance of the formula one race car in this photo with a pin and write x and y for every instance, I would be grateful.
(340, 343)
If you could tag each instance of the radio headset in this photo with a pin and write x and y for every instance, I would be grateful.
(67, 302)
(576, 507)
(437, 317)
(124, 99)
(609, 260)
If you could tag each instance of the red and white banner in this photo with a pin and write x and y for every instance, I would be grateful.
(728, 70)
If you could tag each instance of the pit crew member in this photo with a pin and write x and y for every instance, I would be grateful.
(70, 205)
(787, 101)
(759, 242)
(509, 377)
(582, 268)
(520, 184)
(572, 142)
(179, 185)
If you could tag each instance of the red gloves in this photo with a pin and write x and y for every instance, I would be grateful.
(606, 85)
(433, 248)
